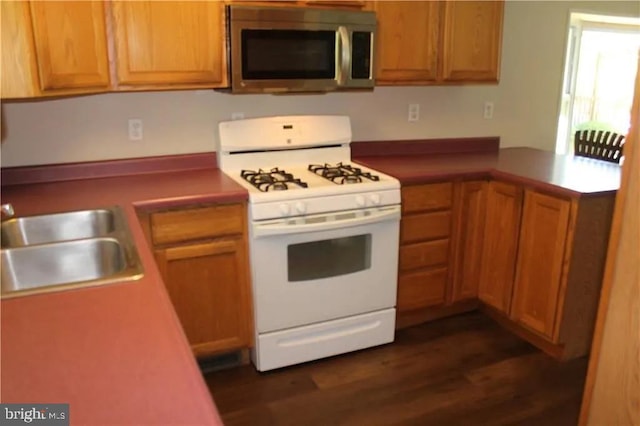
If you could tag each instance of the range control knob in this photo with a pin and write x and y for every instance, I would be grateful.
(375, 199)
(285, 209)
(301, 207)
(360, 201)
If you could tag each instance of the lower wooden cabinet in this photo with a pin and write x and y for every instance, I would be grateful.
(204, 282)
(422, 288)
(541, 258)
(500, 245)
(469, 230)
(534, 260)
(424, 246)
(543, 264)
(202, 255)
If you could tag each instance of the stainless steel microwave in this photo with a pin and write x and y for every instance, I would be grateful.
(279, 50)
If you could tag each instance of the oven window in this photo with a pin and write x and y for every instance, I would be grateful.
(288, 54)
(328, 258)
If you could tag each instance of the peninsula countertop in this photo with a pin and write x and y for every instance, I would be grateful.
(562, 174)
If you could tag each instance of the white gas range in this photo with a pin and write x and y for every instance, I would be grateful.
(323, 237)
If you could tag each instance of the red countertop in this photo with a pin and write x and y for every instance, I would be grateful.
(116, 353)
(562, 174)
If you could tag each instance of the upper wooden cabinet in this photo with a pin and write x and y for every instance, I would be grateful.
(438, 42)
(407, 41)
(71, 44)
(471, 40)
(53, 47)
(19, 73)
(169, 43)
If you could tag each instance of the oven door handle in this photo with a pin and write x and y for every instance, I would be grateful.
(289, 226)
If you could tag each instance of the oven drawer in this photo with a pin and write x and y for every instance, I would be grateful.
(301, 344)
(421, 289)
(433, 196)
(197, 223)
(426, 226)
(421, 255)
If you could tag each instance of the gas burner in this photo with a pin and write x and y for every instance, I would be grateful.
(342, 173)
(272, 180)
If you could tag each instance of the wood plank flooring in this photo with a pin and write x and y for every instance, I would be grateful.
(463, 370)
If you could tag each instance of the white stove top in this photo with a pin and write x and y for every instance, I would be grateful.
(291, 144)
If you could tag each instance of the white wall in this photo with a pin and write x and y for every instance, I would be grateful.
(94, 127)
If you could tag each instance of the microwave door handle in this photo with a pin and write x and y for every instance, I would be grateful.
(344, 55)
(280, 228)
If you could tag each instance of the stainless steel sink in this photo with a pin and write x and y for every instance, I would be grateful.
(63, 251)
(41, 229)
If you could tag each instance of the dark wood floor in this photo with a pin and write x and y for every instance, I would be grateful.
(463, 370)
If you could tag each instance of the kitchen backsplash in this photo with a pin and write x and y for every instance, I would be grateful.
(95, 127)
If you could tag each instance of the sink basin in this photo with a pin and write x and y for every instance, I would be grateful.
(64, 251)
(57, 227)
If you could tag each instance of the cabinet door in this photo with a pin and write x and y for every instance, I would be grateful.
(407, 41)
(71, 44)
(469, 231)
(543, 235)
(472, 39)
(19, 69)
(170, 42)
(500, 245)
(208, 285)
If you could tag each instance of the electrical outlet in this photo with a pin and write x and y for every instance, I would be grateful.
(488, 110)
(135, 129)
(414, 112)
(237, 115)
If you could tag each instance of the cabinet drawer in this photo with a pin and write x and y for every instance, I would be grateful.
(197, 223)
(426, 226)
(420, 255)
(421, 289)
(427, 197)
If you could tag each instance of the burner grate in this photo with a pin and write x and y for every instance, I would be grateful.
(271, 180)
(342, 173)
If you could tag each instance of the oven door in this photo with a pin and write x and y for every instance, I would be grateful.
(321, 267)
